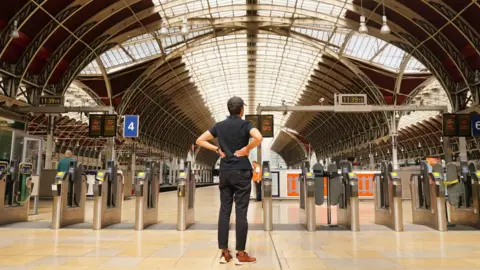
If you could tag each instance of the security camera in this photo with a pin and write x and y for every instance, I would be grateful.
(321, 100)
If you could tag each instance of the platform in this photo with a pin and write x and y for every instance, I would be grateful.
(34, 246)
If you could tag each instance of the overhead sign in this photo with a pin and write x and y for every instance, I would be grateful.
(50, 101)
(449, 125)
(254, 119)
(130, 126)
(109, 125)
(267, 126)
(264, 123)
(475, 122)
(351, 99)
(464, 125)
(102, 125)
(95, 122)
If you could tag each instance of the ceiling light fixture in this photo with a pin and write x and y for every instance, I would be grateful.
(363, 22)
(164, 30)
(185, 27)
(385, 29)
(15, 34)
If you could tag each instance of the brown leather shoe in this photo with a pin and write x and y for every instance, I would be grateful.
(226, 257)
(244, 259)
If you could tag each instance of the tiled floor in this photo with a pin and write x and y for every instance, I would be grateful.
(33, 246)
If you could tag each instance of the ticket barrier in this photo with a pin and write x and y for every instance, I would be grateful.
(348, 206)
(388, 198)
(15, 189)
(186, 197)
(69, 195)
(108, 197)
(307, 198)
(146, 197)
(267, 196)
(428, 197)
(463, 192)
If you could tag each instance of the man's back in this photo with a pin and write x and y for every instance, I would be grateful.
(63, 164)
(233, 134)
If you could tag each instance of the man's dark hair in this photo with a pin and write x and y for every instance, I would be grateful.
(235, 105)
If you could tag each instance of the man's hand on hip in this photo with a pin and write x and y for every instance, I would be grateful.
(242, 152)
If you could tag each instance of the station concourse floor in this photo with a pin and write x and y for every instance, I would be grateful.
(33, 245)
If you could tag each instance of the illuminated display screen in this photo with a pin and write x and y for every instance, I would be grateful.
(464, 125)
(267, 126)
(50, 100)
(253, 119)
(95, 125)
(449, 125)
(360, 99)
(110, 125)
(264, 123)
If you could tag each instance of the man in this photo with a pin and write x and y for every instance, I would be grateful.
(235, 175)
(257, 178)
(64, 163)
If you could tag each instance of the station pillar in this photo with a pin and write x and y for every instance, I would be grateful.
(49, 147)
(462, 148)
(447, 150)
(394, 135)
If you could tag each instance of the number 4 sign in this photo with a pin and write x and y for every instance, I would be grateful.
(130, 126)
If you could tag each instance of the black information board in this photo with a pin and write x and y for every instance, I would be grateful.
(457, 125)
(95, 122)
(464, 125)
(109, 125)
(102, 125)
(264, 123)
(253, 118)
(267, 126)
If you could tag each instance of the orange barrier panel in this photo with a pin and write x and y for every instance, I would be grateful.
(293, 185)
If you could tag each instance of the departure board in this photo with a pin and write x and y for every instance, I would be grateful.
(267, 126)
(109, 125)
(95, 125)
(253, 118)
(264, 123)
(464, 125)
(50, 101)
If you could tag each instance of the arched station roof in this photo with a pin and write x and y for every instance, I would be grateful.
(266, 51)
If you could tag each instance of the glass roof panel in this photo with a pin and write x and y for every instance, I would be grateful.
(75, 96)
(432, 95)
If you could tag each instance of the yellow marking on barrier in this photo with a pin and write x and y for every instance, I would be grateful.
(182, 174)
(394, 174)
(100, 173)
(478, 174)
(436, 174)
(450, 182)
(309, 174)
(180, 194)
(351, 174)
(141, 174)
(60, 174)
(267, 174)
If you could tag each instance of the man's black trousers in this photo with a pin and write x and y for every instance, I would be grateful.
(258, 187)
(234, 184)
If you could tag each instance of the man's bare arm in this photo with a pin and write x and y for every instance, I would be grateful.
(203, 141)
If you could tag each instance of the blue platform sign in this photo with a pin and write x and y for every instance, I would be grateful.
(130, 126)
(475, 125)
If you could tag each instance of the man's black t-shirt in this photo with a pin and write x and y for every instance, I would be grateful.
(233, 134)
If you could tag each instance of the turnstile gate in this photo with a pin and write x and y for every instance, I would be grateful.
(348, 207)
(108, 197)
(267, 196)
(388, 198)
(463, 192)
(15, 189)
(428, 197)
(342, 190)
(69, 195)
(307, 198)
(186, 197)
(146, 196)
